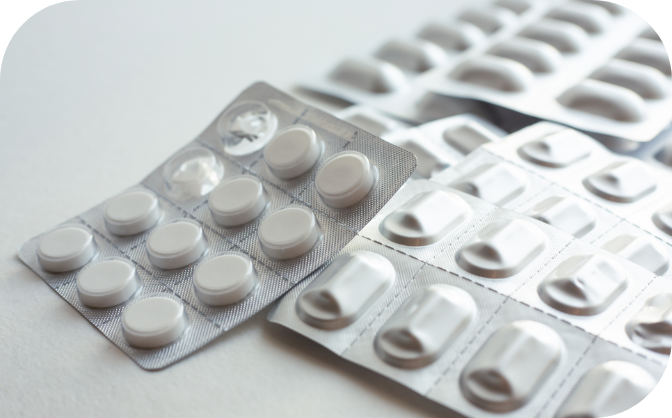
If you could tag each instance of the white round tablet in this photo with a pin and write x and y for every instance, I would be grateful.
(132, 212)
(237, 201)
(154, 322)
(224, 279)
(107, 282)
(288, 232)
(345, 179)
(66, 248)
(292, 152)
(176, 244)
(193, 172)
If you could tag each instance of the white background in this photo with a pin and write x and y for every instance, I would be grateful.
(93, 96)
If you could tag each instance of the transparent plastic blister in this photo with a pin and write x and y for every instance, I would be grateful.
(468, 321)
(223, 228)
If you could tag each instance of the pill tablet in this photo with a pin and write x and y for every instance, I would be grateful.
(66, 248)
(246, 128)
(132, 212)
(371, 75)
(568, 214)
(176, 244)
(192, 173)
(154, 322)
(345, 179)
(107, 282)
(651, 327)
(292, 152)
(623, 181)
(641, 250)
(237, 201)
(557, 150)
(288, 232)
(224, 279)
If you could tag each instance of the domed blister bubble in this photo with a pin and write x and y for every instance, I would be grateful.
(345, 290)
(501, 249)
(288, 232)
(651, 326)
(237, 201)
(496, 183)
(468, 136)
(176, 244)
(494, 73)
(590, 17)
(641, 250)
(246, 128)
(565, 213)
(564, 36)
(345, 179)
(421, 330)
(431, 158)
(415, 55)
(557, 150)
(607, 389)
(224, 279)
(538, 56)
(154, 321)
(663, 219)
(192, 173)
(107, 282)
(66, 248)
(457, 36)
(293, 151)
(426, 219)
(370, 75)
(584, 284)
(132, 212)
(623, 181)
(489, 20)
(511, 366)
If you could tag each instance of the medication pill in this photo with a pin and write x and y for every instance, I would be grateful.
(468, 136)
(592, 18)
(292, 152)
(457, 36)
(431, 158)
(176, 244)
(66, 248)
(501, 249)
(288, 232)
(623, 181)
(237, 201)
(224, 279)
(107, 282)
(583, 285)
(132, 212)
(372, 75)
(154, 322)
(565, 213)
(495, 73)
(646, 81)
(538, 56)
(489, 20)
(564, 36)
(425, 326)
(345, 290)
(663, 219)
(558, 150)
(511, 366)
(651, 326)
(607, 389)
(193, 173)
(641, 250)
(345, 179)
(246, 128)
(606, 100)
(648, 52)
(496, 183)
(412, 55)
(425, 219)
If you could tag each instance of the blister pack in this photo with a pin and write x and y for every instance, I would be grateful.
(271, 190)
(487, 311)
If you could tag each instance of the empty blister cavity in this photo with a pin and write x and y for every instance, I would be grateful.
(647, 82)
(607, 389)
(495, 73)
(516, 6)
(192, 173)
(501, 249)
(415, 55)
(345, 290)
(457, 36)
(565, 213)
(154, 321)
(132, 212)
(511, 366)
(176, 244)
(641, 250)
(583, 285)
(431, 158)
(425, 219)
(66, 248)
(246, 128)
(292, 152)
(663, 219)
(606, 100)
(496, 183)
(425, 326)
(538, 56)
(647, 52)
(370, 75)
(592, 18)
(623, 181)
(345, 179)
(288, 232)
(564, 36)
(107, 282)
(237, 201)
(489, 20)
(651, 326)
(558, 150)
(224, 279)
(468, 136)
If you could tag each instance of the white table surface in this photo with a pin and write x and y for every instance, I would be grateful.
(95, 95)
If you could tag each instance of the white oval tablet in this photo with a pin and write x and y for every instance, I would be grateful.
(496, 183)
(558, 150)
(224, 279)
(288, 232)
(66, 248)
(176, 244)
(651, 327)
(371, 75)
(494, 73)
(292, 152)
(345, 179)
(193, 173)
(237, 201)
(154, 322)
(132, 212)
(107, 282)
(641, 250)
(623, 181)
(345, 290)
(568, 214)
